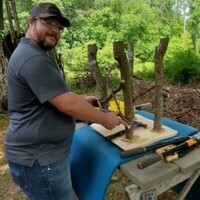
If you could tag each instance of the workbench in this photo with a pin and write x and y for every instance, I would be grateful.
(94, 160)
(161, 176)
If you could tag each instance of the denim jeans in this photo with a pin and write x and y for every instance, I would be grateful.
(51, 182)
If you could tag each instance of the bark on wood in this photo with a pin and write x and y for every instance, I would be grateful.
(96, 72)
(158, 59)
(120, 57)
(130, 50)
(3, 82)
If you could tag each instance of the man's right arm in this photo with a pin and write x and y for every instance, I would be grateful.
(77, 107)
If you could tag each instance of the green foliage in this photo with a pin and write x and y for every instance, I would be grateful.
(136, 22)
(179, 43)
(23, 23)
(100, 23)
(105, 58)
(145, 70)
(183, 67)
(140, 22)
(86, 4)
(168, 20)
(75, 59)
(193, 23)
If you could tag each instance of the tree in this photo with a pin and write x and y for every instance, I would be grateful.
(194, 22)
(3, 83)
(167, 16)
(160, 51)
(120, 56)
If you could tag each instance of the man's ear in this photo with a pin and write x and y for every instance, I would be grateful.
(31, 22)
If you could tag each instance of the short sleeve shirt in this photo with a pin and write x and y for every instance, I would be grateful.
(37, 130)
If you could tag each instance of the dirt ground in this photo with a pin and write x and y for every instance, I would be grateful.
(9, 191)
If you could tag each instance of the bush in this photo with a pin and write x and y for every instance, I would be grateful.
(145, 70)
(183, 67)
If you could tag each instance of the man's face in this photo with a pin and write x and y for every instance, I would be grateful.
(47, 32)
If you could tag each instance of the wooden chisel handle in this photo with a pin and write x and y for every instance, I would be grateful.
(153, 158)
(110, 137)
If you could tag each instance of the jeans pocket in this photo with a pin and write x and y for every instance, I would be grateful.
(18, 175)
(58, 179)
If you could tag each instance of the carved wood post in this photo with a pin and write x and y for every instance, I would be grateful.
(158, 59)
(96, 72)
(130, 50)
(120, 56)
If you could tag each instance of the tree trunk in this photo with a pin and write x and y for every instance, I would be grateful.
(130, 50)
(96, 72)
(158, 59)
(120, 56)
(3, 82)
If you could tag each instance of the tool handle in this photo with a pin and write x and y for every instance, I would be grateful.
(176, 141)
(186, 144)
(110, 137)
(164, 149)
(185, 151)
(139, 150)
(132, 152)
(180, 154)
(153, 158)
(171, 158)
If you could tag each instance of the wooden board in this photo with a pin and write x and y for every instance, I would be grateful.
(142, 136)
(150, 176)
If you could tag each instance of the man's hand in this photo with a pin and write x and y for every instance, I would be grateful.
(112, 120)
(92, 100)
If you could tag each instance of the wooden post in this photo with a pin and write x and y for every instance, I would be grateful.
(158, 59)
(130, 50)
(96, 72)
(120, 56)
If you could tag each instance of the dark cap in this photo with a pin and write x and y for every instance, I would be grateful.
(45, 10)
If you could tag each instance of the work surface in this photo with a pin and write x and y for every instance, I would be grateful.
(94, 159)
(162, 172)
(142, 136)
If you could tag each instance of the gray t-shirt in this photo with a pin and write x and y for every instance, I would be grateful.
(37, 130)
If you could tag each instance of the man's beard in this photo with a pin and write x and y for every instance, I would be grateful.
(45, 46)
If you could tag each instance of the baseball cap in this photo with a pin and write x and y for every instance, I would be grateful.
(45, 10)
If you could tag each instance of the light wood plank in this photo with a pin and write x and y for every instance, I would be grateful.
(142, 137)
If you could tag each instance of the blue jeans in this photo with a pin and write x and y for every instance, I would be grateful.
(51, 182)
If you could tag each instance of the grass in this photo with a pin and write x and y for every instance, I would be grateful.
(8, 190)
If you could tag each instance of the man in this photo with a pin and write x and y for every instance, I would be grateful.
(42, 110)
